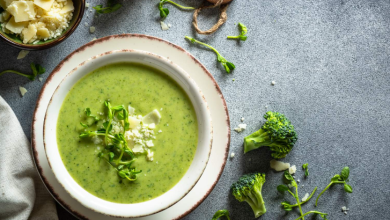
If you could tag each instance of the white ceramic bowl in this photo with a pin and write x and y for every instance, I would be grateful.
(182, 187)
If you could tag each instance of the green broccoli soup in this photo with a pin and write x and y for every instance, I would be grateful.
(127, 133)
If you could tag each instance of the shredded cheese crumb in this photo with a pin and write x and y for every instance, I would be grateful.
(240, 128)
(232, 155)
(273, 83)
(292, 169)
(40, 79)
(92, 29)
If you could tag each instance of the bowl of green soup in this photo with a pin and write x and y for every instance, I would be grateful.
(127, 133)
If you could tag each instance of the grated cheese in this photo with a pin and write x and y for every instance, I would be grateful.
(35, 20)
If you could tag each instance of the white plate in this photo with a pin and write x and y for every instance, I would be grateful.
(207, 84)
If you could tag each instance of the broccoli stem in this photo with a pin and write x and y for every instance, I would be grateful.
(180, 6)
(256, 140)
(258, 209)
(315, 212)
(30, 77)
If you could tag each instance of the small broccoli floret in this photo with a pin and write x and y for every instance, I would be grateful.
(248, 189)
(277, 133)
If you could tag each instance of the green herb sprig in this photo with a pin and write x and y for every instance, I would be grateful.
(111, 7)
(36, 70)
(221, 213)
(306, 168)
(116, 152)
(242, 36)
(164, 12)
(341, 178)
(287, 206)
(229, 66)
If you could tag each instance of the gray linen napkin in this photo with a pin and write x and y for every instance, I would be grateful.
(22, 193)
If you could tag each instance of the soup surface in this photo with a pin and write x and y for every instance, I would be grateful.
(145, 89)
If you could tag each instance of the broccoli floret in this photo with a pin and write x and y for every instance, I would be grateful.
(277, 133)
(248, 189)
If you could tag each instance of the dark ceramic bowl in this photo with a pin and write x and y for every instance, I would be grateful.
(13, 40)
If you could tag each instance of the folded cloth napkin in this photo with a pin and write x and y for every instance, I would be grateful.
(22, 193)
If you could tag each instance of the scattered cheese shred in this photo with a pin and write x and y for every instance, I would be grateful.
(164, 26)
(305, 197)
(22, 54)
(92, 29)
(278, 165)
(240, 128)
(22, 90)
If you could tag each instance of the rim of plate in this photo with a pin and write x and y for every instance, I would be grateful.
(198, 98)
(57, 69)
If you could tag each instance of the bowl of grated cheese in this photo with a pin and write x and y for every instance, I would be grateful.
(39, 24)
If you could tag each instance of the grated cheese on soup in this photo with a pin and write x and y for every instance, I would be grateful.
(35, 20)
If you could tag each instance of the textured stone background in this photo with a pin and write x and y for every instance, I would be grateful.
(330, 61)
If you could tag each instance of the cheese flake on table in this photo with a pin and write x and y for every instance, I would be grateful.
(278, 165)
(22, 90)
(22, 54)
(240, 128)
(164, 26)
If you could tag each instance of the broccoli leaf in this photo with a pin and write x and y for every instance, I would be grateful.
(344, 173)
(347, 188)
(282, 188)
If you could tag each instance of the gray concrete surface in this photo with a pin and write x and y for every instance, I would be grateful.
(330, 61)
